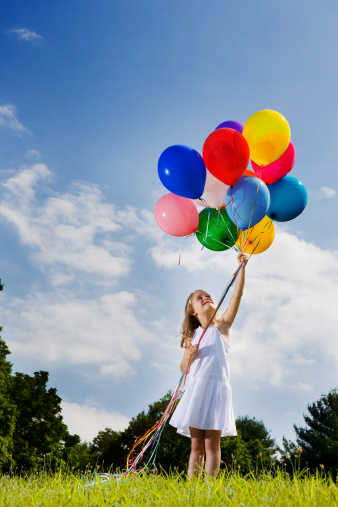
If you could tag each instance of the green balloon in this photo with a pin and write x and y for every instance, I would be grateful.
(215, 229)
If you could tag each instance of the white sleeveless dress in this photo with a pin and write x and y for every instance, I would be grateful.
(207, 401)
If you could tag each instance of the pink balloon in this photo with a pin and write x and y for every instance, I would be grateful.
(177, 216)
(278, 169)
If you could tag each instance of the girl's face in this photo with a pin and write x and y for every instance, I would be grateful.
(201, 303)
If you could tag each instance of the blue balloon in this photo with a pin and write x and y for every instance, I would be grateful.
(182, 171)
(247, 201)
(231, 124)
(288, 198)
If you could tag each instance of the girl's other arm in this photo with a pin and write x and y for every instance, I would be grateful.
(189, 352)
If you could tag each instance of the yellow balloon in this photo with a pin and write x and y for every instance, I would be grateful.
(268, 135)
(257, 239)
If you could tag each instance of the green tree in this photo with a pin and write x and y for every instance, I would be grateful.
(319, 438)
(39, 429)
(317, 441)
(235, 455)
(78, 455)
(258, 441)
(108, 449)
(253, 449)
(289, 457)
(7, 408)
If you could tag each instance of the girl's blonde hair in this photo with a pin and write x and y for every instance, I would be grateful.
(190, 322)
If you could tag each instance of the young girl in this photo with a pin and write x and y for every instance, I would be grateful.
(205, 411)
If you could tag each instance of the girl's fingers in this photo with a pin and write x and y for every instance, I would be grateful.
(242, 258)
(193, 350)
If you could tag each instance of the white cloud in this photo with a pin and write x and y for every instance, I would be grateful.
(22, 184)
(68, 233)
(61, 328)
(8, 118)
(119, 368)
(328, 192)
(32, 155)
(25, 35)
(87, 420)
(80, 242)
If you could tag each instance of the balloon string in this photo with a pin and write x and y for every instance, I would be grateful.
(235, 212)
(181, 247)
(207, 230)
(228, 230)
(253, 206)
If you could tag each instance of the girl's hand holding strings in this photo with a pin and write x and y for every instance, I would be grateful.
(193, 350)
(242, 258)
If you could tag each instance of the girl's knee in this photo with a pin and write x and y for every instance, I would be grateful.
(197, 444)
(212, 438)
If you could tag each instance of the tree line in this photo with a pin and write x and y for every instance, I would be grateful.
(33, 434)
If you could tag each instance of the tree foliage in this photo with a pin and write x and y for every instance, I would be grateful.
(39, 428)
(317, 441)
(31, 427)
(7, 407)
(253, 449)
(259, 443)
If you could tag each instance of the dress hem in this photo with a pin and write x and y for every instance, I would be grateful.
(225, 433)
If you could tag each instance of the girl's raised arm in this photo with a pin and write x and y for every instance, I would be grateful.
(230, 313)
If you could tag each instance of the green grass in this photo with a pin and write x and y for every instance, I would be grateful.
(157, 490)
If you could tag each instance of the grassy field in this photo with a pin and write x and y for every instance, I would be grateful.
(157, 490)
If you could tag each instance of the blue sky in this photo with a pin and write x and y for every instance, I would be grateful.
(91, 93)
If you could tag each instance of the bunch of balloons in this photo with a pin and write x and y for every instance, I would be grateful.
(240, 205)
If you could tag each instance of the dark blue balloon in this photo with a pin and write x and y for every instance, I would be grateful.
(247, 201)
(288, 198)
(182, 171)
(231, 124)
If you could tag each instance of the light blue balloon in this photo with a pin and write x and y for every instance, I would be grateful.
(247, 201)
(288, 198)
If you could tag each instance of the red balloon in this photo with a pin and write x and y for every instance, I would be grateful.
(226, 155)
(176, 215)
(279, 168)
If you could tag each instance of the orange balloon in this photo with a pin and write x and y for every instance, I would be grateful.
(257, 239)
(248, 172)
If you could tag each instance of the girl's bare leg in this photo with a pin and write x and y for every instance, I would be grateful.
(196, 460)
(212, 441)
